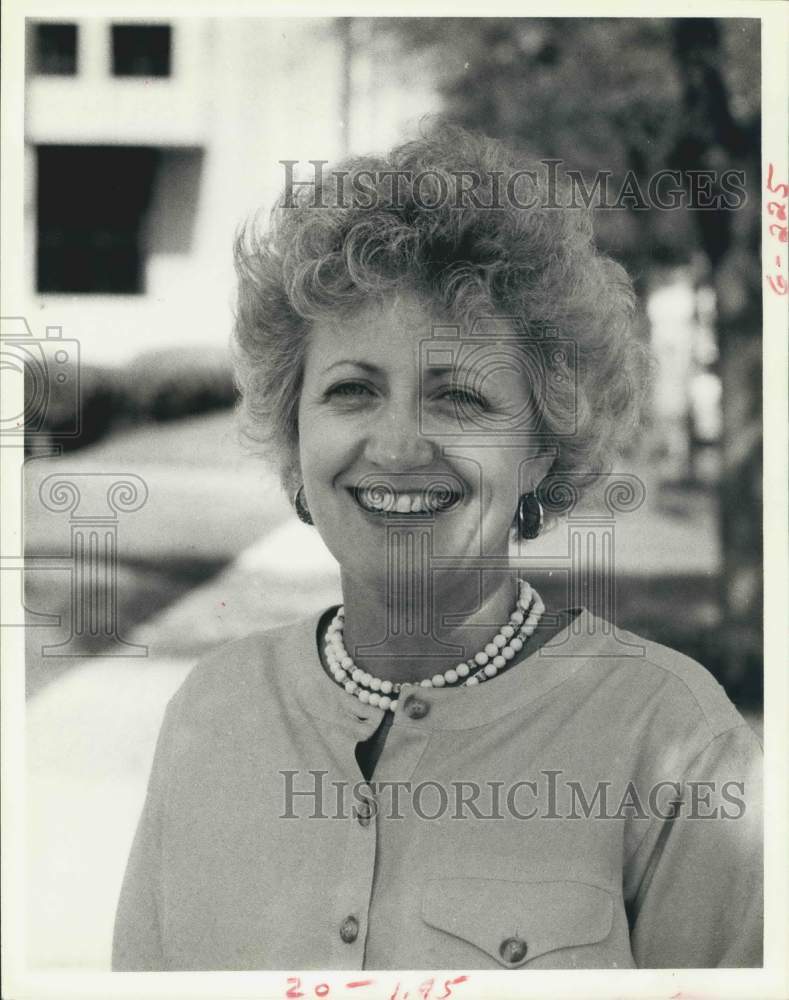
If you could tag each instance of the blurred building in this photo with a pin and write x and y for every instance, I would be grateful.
(147, 143)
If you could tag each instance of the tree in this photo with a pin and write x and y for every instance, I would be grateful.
(711, 138)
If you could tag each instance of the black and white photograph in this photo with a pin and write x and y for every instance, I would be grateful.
(394, 548)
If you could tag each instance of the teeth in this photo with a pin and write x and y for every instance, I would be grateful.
(403, 503)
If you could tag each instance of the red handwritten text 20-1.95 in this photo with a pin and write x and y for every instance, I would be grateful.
(427, 989)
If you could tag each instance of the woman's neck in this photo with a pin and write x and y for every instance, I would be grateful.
(400, 632)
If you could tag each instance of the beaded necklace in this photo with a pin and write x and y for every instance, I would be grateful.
(488, 662)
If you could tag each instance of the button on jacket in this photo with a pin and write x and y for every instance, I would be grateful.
(594, 806)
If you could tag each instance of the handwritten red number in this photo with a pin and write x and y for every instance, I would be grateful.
(778, 284)
(448, 984)
(425, 988)
(782, 232)
(776, 208)
(780, 189)
(294, 989)
(322, 990)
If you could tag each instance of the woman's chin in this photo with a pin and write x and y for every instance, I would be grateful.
(364, 575)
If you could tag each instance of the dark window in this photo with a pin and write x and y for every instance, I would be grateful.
(141, 50)
(56, 49)
(91, 209)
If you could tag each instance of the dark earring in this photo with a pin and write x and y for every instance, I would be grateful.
(300, 503)
(530, 516)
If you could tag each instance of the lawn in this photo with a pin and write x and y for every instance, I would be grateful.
(207, 501)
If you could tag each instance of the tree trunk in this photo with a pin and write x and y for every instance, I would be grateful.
(730, 238)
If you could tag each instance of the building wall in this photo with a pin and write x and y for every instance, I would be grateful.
(244, 93)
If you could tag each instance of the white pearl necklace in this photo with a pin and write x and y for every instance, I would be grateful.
(502, 648)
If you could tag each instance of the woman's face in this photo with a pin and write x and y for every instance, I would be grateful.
(389, 403)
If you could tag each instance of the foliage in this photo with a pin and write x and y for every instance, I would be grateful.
(155, 386)
(77, 411)
(178, 382)
(597, 93)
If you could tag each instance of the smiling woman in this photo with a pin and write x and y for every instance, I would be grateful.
(421, 367)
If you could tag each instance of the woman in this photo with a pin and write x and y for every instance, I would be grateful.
(441, 773)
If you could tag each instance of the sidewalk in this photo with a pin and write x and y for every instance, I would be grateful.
(91, 735)
(90, 741)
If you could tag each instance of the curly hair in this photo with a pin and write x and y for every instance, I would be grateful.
(411, 220)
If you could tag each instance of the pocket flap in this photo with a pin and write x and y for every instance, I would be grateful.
(515, 922)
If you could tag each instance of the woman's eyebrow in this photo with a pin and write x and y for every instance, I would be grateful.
(454, 371)
(364, 365)
(432, 371)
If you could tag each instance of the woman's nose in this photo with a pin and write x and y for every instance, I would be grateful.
(396, 443)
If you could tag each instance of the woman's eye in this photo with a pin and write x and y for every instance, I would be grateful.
(349, 390)
(465, 397)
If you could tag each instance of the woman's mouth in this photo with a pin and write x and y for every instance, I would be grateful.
(438, 495)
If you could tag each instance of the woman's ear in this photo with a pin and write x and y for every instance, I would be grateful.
(290, 474)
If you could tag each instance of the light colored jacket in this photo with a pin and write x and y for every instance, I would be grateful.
(625, 832)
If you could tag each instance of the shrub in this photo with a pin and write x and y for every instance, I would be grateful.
(155, 386)
(90, 403)
(179, 382)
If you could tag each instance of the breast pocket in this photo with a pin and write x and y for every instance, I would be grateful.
(517, 922)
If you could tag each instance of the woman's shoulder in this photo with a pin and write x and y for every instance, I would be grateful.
(696, 681)
(245, 670)
(674, 685)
